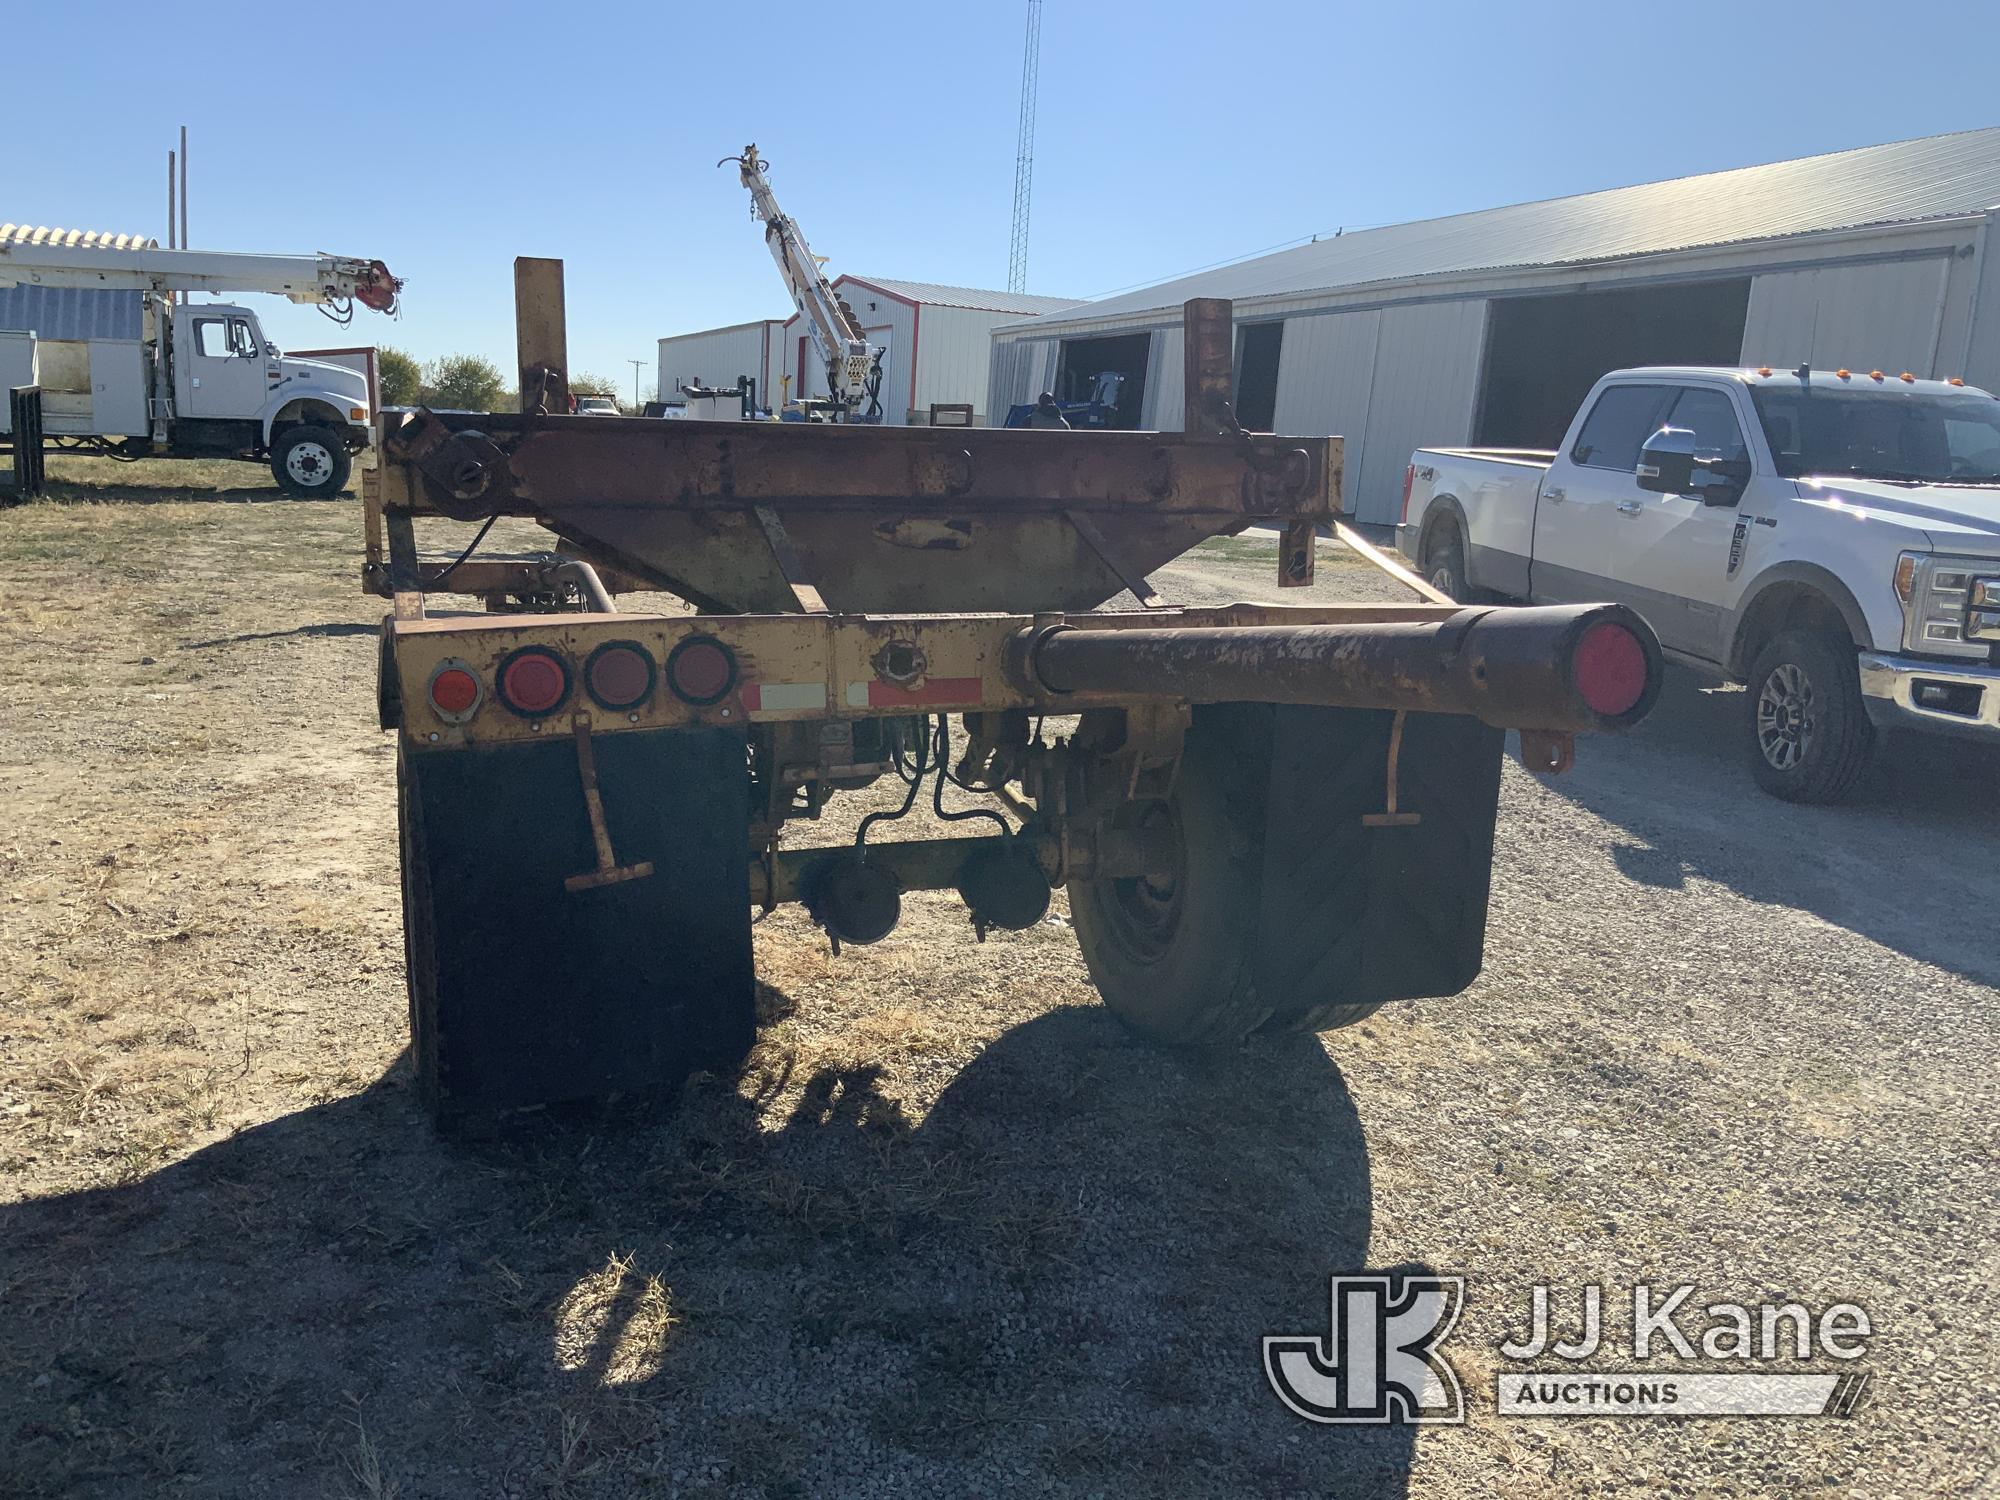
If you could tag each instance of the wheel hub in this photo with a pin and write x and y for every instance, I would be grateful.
(1787, 716)
(1145, 910)
(309, 463)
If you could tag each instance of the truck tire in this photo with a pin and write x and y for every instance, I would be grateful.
(1286, 912)
(1444, 562)
(1171, 956)
(1809, 731)
(310, 462)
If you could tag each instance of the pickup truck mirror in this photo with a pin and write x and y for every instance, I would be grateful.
(1666, 462)
(1668, 465)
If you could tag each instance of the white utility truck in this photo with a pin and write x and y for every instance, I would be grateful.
(1831, 538)
(202, 380)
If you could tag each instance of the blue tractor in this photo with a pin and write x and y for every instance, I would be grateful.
(1100, 411)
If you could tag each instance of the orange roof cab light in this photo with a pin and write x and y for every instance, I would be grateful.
(1956, 380)
(1907, 378)
(1874, 374)
(1844, 374)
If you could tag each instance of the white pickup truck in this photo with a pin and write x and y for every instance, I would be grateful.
(1830, 538)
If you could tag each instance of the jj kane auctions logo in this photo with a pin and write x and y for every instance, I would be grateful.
(1378, 1360)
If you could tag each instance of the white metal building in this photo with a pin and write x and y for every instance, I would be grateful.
(718, 356)
(1489, 327)
(938, 340)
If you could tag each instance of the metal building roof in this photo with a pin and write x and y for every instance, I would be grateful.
(965, 296)
(1933, 177)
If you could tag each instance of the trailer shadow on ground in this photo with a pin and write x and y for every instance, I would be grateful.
(1058, 1277)
(1904, 863)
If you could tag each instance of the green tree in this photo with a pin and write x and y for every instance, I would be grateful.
(592, 385)
(465, 382)
(401, 378)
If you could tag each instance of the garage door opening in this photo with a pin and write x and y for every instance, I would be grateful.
(1083, 360)
(1257, 352)
(1543, 354)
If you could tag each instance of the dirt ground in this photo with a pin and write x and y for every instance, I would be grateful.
(954, 1231)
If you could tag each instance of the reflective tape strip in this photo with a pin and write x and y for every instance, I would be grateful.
(783, 697)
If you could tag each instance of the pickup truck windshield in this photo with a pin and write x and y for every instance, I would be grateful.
(1881, 434)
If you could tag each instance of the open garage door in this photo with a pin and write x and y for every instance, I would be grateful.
(1083, 360)
(1544, 353)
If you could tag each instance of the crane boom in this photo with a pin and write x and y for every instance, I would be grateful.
(50, 258)
(853, 365)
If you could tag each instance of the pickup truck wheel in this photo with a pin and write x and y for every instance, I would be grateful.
(1810, 736)
(310, 462)
(1172, 953)
(1444, 563)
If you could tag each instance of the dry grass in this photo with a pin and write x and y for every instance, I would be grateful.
(82, 477)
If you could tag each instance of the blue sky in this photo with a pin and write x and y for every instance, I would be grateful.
(446, 139)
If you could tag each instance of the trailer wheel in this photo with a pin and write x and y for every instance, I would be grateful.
(1810, 736)
(310, 462)
(1171, 954)
(1288, 907)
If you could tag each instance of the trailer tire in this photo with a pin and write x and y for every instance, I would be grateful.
(1172, 957)
(1291, 908)
(310, 462)
(1809, 732)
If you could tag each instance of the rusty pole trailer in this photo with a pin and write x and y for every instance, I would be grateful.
(1267, 817)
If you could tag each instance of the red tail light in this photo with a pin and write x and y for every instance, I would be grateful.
(533, 682)
(454, 691)
(1609, 669)
(619, 675)
(701, 670)
(1409, 482)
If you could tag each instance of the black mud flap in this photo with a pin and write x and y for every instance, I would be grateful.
(524, 992)
(1364, 913)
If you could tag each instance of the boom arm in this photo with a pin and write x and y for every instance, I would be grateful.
(303, 278)
(853, 365)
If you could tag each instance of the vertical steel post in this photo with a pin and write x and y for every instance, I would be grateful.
(1208, 367)
(541, 335)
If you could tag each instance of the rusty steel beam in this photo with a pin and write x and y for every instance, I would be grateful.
(541, 335)
(1512, 668)
(469, 466)
(1209, 369)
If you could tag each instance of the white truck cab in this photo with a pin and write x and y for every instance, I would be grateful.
(1831, 538)
(235, 391)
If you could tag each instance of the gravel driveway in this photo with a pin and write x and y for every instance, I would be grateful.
(954, 1231)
